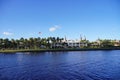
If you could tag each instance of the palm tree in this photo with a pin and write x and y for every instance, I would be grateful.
(21, 43)
(53, 41)
(6, 43)
(18, 43)
(38, 42)
(13, 44)
(107, 43)
(35, 43)
(26, 43)
(1, 43)
(31, 42)
(58, 40)
(48, 42)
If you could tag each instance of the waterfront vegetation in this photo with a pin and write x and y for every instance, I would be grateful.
(49, 44)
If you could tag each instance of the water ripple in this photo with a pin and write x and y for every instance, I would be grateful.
(67, 66)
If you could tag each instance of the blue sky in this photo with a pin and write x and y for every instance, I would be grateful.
(92, 18)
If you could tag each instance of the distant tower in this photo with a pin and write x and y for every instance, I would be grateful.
(98, 38)
(80, 37)
(65, 39)
(84, 37)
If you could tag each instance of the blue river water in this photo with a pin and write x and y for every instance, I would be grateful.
(71, 65)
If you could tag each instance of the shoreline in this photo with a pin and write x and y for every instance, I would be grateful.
(55, 50)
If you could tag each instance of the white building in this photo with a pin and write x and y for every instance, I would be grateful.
(75, 43)
(117, 43)
(70, 43)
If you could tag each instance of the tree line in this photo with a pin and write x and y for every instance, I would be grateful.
(38, 43)
(31, 43)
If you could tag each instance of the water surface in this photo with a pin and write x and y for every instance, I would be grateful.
(71, 65)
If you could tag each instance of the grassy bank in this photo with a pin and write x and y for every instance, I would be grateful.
(47, 50)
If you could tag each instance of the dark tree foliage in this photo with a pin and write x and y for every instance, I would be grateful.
(31, 43)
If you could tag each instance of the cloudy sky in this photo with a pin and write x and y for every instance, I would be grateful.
(92, 18)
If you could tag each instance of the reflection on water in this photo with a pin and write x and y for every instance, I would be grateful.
(72, 65)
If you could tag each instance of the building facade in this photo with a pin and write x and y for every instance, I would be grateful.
(76, 43)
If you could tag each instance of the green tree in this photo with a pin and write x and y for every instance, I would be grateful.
(107, 43)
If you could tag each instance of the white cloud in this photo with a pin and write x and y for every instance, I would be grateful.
(7, 33)
(54, 28)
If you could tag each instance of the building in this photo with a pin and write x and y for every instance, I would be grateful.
(70, 43)
(75, 43)
(117, 43)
